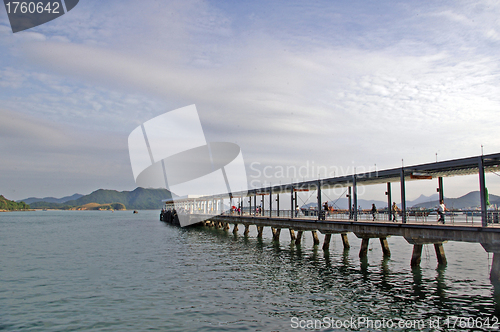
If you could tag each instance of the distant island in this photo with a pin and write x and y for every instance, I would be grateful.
(151, 199)
(105, 199)
(100, 207)
(8, 205)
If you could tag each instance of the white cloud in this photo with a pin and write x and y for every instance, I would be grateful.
(36, 152)
(374, 87)
(11, 78)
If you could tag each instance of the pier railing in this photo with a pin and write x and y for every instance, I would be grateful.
(464, 216)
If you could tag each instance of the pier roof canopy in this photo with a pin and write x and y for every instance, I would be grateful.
(455, 167)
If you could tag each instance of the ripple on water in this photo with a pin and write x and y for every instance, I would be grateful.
(102, 271)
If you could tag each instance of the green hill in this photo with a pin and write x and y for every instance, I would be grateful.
(138, 199)
(9, 205)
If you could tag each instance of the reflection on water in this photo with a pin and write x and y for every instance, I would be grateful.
(131, 272)
(346, 286)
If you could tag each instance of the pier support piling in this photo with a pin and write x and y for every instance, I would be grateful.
(495, 269)
(416, 255)
(315, 237)
(226, 226)
(299, 238)
(441, 257)
(385, 247)
(235, 229)
(345, 241)
(247, 230)
(259, 231)
(363, 251)
(326, 241)
(495, 265)
(276, 234)
(292, 235)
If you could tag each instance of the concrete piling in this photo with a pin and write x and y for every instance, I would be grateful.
(326, 241)
(276, 234)
(416, 255)
(495, 269)
(299, 238)
(345, 241)
(441, 257)
(315, 237)
(385, 247)
(363, 251)
(260, 229)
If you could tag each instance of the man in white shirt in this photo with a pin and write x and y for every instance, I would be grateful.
(441, 211)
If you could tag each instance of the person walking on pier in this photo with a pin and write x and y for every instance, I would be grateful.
(395, 211)
(325, 207)
(374, 211)
(441, 210)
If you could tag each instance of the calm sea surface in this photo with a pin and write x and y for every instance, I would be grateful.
(103, 271)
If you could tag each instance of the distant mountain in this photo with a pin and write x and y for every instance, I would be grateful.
(423, 199)
(343, 204)
(470, 200)
(138, 199)
(8, 205)
(50, 199)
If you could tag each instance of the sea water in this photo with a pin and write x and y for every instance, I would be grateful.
(119, 271)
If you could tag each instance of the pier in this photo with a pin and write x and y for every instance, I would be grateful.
(416, 229)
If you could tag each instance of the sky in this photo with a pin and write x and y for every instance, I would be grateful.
(341, 84)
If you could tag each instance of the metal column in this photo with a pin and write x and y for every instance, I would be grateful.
(403, 196)
(482, 192)
(263, 212)
(440, 189)
(270, 202)
(255, 203)
(278, 204)
(349, 196)
(296, 200)
(389, 201)
(355, 194)
(318, 186)
(249, 205)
